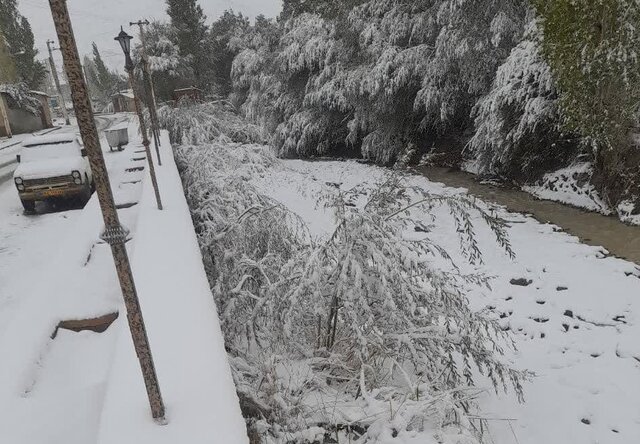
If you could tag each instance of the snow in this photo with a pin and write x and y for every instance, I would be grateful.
(571, 186)
(184, 333)
(628, 213)
(54, 268)
(86, 387)
(53, 167)
(575, 326)
(47, 139)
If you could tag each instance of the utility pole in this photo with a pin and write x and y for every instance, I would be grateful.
(54, 73)
(151, 94)
(114, 234)
(125, 43)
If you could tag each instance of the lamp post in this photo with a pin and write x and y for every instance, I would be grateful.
(114, 233)
(125, 43)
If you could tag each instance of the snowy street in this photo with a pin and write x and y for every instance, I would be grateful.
(27, 240)
(63, 386)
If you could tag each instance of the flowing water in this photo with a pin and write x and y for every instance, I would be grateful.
(593, 229)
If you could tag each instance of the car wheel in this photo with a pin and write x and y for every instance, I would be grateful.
(29, 206)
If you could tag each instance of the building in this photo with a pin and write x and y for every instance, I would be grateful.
(191, 94)
(18, 120)
(123, 102)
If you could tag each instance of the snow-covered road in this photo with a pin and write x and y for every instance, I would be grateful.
(27, 240)
(52, 268)
(64, 387)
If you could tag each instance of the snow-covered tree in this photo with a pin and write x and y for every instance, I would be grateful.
(169, 68)
(21, 44)
(220, 52)
(379, 76)
(190, 32)
(592, 48)
(519, 132)
(103, 81)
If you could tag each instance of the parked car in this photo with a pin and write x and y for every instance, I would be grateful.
(53, 167)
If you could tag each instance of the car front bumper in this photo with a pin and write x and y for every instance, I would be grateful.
(64, 192)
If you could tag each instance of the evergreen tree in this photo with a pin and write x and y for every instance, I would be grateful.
(20, 42)
(190, 32)
(169, 68)
(221, 55)
(591, 47)
(104, 81)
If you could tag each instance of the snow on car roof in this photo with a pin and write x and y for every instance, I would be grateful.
(50, 139)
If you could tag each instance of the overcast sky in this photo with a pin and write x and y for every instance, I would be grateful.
(100, 20)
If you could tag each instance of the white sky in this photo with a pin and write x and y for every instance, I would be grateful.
(100, 20)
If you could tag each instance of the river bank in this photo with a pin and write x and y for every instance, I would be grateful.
(592, 228)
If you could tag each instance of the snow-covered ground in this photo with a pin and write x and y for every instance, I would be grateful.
(572, 186)
(59, 386)
(572, 309)
(52, 268)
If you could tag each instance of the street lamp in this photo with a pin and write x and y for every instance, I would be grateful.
(125, 43)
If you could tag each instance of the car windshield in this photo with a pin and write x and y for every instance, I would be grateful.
(45, 151)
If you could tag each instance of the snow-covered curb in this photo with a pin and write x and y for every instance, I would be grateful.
(183, 329)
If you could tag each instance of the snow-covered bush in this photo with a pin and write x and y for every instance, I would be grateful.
(190, 123)
(518, 124)
(320, 331)
(20, 97)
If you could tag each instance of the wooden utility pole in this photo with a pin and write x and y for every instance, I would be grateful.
(114, 234)
(151, 94)
(54, 73)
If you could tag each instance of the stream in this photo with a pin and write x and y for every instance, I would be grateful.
(592, 228)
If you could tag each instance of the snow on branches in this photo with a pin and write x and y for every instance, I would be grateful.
(19, 94)
(518, 124)
(376, 313)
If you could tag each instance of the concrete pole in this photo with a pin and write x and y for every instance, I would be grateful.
(114, 234)
(54, 73)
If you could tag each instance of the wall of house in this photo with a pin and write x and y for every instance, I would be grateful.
(22, 121)
(5, 128)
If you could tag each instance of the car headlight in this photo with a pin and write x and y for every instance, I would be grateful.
(18, 180)
(77, 177)
(20, 187)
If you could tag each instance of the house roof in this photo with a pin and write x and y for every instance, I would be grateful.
(191, 88)
(126, 93)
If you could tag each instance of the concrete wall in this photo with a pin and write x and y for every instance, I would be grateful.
(5, 128)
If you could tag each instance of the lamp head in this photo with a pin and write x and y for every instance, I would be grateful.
(125, 41)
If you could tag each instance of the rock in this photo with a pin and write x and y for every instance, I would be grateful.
(568, 313)
(521, 282)
(561, 288)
